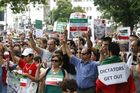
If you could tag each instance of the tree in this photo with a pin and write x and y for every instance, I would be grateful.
(63, 11)
(18, 6)
(125, 12)
(78, 9)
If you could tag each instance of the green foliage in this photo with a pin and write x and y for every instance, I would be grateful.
(125, 12)
(78, 9)
(63, 11)
(18, 6)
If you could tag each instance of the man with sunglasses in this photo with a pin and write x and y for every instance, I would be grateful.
(85, 68)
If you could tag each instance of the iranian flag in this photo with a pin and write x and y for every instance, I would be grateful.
(23, 82)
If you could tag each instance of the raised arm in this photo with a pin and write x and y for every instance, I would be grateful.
(33, 44)
(14, 57)
(89, 42)
(65, 46)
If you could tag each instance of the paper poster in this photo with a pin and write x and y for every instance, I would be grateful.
(14, 81)
(113, 73)
(99, 28)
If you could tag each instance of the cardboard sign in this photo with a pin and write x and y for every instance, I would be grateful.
(78, 24)
(113, 73)
(124, 33)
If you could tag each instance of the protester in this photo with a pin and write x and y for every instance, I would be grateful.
(133, 38)
(132, 55)
(85, 68)
(45, 54)
(136, 73)
(26, 63)
(70, 68)
(104, 48)
(6, 65)
(3, 71)
(126, 87)
(53, 75)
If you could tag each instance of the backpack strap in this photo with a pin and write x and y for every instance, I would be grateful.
(48, 71)
(63, 71)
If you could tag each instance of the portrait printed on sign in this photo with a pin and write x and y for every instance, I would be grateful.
(99, 28)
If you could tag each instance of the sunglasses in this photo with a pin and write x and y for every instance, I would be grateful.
(55, 61)
(83, 53)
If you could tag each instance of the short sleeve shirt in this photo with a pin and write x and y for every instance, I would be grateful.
(27, 68)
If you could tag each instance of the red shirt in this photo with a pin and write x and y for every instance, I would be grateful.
(27, 68)
(128, 87)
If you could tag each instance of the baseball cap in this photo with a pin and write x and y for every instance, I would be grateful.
(27, 51)
(6, 53)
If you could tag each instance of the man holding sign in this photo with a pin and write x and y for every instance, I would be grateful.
(109, 83)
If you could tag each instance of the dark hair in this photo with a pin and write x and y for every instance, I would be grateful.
(75, 50)
(82, 40)
(138, 42)
(59, 58)
(109, 39)
(58, 52)
(96, 54)
(31, 55)
(72, 43)
(38, 59)
(88, 51)
(69, 84)
(56, 40)
(114, 48)
(134, 36)
(44, 41)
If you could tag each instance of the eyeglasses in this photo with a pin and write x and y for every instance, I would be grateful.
(73, 53)
(55, 61)
(83, 53)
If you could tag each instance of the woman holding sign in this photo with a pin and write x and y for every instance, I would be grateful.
(125, 87)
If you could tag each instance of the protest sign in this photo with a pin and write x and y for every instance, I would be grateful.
(99, 28)
(113, 73)
(14, 84)
(60, 26)
(38, 33)
(78, 23)
(123, 33)
(123, 38)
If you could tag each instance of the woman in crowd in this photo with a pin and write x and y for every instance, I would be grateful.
(53, 75)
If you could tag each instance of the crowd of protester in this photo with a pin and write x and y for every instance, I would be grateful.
(61, 65)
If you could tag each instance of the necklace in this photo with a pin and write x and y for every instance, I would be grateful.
(55, 71)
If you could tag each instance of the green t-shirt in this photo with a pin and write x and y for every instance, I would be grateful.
(51, 79)
(110, 60)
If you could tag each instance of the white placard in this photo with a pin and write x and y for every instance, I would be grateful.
(39, 33)
(113, 73)
(123, 31)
